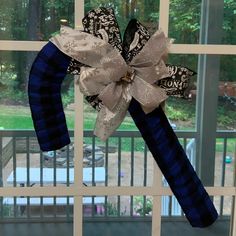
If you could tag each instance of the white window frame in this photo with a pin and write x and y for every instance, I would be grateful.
(77, 190)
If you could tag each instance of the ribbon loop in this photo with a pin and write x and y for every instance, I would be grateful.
(108, 76)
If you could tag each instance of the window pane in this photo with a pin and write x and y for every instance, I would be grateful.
(178, 224)
(34, 20)
(185, 21)
(127, 215)
(226, 123)
(14, 74)
(226, 111)
(229, 29)
(225, 162)
(38, 207)
(25, 210)
(23, 164)
(182, 111)
(123, 160)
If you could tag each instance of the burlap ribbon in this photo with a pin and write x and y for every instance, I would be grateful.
(116, 82)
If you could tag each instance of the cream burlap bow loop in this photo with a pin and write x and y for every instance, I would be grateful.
(107, 75)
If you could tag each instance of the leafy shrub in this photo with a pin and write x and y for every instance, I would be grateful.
(68, 97)
(139, 206)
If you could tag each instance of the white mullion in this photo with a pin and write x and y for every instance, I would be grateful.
(157, 176)
(203, 49)
(156, 208)
(46, 191)
(78, 161)
(78, 138)
(14, 45)
(222, 191)
(75, 190)
(233, 218)
(164, 16)
(79, 13)
(7, 45)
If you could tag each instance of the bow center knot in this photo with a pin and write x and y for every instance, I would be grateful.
(129, 76)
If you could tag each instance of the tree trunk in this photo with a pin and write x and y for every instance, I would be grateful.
(34, 33)
(132, 8)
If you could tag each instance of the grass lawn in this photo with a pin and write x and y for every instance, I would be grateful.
(15, 117)
(18, 117)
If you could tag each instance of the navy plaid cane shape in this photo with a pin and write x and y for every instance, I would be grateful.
(44, 91)
(174, 164)
(47, 74)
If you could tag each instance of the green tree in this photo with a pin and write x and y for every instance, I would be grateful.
(39, 19)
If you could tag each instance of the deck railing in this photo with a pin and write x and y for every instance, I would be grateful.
(126, 161)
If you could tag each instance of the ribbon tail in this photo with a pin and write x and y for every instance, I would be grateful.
(111, 95)
(108, 121)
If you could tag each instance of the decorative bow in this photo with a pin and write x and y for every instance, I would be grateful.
(107, 75)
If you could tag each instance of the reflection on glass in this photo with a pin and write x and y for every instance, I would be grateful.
(34, 20)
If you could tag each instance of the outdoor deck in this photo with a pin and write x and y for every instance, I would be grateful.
(124, 166)
(115, 228)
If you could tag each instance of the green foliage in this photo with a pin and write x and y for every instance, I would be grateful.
(112, 209)
(11, 97)
(226, 121)
(125, 143)
(229, 17)
(7, 210)
(18, 117)
(143, 205)
(180, 109)
(145, 10)
(39, 19)
(68, 97)
(185, 20)
(230, 148)
(227, 68)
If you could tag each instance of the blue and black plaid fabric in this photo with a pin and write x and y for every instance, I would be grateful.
(44, 90)
(174, 164)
